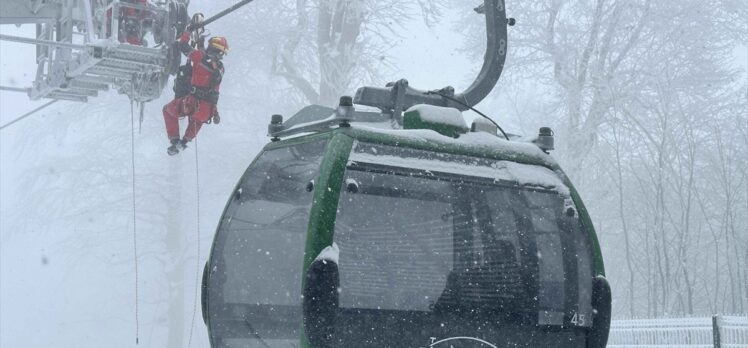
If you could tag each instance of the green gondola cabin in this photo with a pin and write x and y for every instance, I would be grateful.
(405, 227)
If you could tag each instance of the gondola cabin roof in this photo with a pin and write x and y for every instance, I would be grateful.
(425, 127)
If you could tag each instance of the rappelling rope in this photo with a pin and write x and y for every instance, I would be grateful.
(134, 221)
(197, 267)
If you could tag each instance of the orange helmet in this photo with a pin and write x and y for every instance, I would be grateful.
(219, 44)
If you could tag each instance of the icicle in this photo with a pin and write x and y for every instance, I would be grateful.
(142, 112)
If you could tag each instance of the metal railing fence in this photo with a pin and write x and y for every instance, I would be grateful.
(699, 332)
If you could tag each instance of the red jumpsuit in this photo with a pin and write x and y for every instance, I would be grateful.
(200, 104)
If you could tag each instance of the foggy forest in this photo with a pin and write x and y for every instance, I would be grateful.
(104, 237)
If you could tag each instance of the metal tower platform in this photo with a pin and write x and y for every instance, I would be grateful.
(78, 55)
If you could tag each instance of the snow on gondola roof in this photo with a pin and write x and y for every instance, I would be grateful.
(374, 126)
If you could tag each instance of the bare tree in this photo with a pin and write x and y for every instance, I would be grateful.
(346, 45)
(85, 186)
(646, 91)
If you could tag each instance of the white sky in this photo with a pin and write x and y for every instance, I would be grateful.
(17, 69)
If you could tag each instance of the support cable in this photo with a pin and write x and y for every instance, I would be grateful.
(134, 221)
(29, 113)
(221, 14)
(15, 89)
(471, 108)
(197, 257)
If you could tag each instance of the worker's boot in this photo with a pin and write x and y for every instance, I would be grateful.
(174, 148)
(183, 144)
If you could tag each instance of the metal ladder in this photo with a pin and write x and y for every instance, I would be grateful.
(80, 49)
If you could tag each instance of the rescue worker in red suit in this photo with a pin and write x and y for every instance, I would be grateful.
(200, 105)
(130, 22)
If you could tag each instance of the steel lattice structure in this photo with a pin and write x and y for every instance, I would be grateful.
(81, 47)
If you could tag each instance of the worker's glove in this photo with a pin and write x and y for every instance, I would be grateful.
(216, 117)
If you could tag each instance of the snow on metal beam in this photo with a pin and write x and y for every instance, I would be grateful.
(23, 12)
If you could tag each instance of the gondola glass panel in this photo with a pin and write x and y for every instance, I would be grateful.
(430, 253)
(255, 273)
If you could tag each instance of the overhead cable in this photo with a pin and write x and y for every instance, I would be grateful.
(28, 114)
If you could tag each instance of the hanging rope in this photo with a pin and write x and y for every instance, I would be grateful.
(134, 221)
(197, 268)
